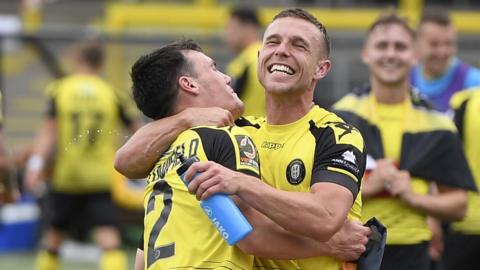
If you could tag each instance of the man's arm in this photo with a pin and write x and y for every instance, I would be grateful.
(43, 147)
(138, 155)
(320, 212)
(268, 240)
(449, 204)
(374, 182)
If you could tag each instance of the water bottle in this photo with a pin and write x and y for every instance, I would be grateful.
(220, 209)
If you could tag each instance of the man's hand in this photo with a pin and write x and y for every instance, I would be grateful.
(380, 178)
(400, 186)
(436, 243)
(349, 242)
(212, 178)
(33, 182)
(213, 116)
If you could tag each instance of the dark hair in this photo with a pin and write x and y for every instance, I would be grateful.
(245, 14)
(155, 75)
(389, 18)
(92, 53)
(436, 16)
(305, 15)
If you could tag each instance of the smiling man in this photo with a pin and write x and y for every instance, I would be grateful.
(409, 147)
(312, 162)
(440, 73)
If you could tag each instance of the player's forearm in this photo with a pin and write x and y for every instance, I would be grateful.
(269, 240)
(301, 213)
(450, 205)
(138, 155)
(44, 143)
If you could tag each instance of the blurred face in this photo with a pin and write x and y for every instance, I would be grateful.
(292, 58)
(213, 85)
(234, 34)
(389, 54)
(436, 45)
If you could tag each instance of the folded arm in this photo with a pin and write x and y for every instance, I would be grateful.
(138, 155)
(269, 240)
(448, 204)
(317, 214)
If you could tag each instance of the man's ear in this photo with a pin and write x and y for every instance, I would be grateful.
(322, 69)
(188, 84)
(365, 56)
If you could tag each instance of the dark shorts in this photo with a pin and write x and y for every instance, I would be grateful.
(406, 257)
(461, 251)
(68, 211)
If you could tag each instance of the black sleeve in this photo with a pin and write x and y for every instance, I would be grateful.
(458, 117)
(51, 108)
(339, 163)
(241, 83)
(126, 120)
(218, 147)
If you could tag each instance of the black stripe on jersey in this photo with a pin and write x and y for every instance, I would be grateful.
(51, 108)
(330, 154)
(370, 133)
(425, 152)
(122, 113)
(459, 118)
(241, 83)
(243, 122)
(325, 176)
(218, 146)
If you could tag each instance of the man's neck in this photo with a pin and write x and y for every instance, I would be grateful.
(285, 110)
(390, 94)
(432, 74)
(86, 70)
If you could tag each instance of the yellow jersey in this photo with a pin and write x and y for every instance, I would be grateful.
(178, 235)
(318, 147)
(243, 69)
(466, 105)
(88, 117)
(420, 140)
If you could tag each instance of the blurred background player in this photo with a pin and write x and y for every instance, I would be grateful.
(8, 186)
(407, 145)
(242, 36)
(440, 73)
(462, 242)
(82, 131)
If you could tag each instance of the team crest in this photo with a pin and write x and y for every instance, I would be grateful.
(296, 172)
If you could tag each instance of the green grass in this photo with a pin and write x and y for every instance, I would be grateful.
(25, 260)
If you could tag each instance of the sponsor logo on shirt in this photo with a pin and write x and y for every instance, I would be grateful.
(347, 162)
(349, 156)
(272, 145)
(248, 152)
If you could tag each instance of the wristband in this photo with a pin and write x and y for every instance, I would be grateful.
(35, 163)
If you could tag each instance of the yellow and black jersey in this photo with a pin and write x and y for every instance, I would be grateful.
(88, 117)
(178, 235)
(466, 105)
(421, 141)
(319, 147)
(243, 69)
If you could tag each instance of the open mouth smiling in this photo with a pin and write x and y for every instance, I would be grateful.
(281, 68)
